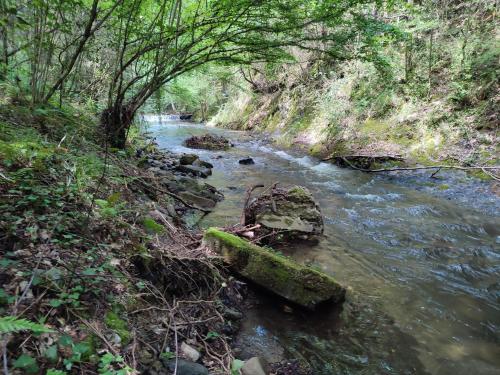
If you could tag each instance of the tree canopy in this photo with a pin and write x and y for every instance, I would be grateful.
(119, 53)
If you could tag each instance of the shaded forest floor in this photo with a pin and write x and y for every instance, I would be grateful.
(94, 248)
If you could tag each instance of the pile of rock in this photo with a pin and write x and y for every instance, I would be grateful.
(193, 165)
(179, 174)
(208, 142)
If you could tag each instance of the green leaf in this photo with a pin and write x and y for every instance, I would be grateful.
(26, 363)
(65, 340)
(81, 348)
(236, 366)
(10, 324)
(90, 271)
(167, 355)
(114, 198)
(101, 203)
(212, 335)
(56, 302)
(51, 353)
(53, 371)
(152, 226)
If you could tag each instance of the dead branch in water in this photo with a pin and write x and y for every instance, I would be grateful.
(247, 199)
(438, 167)
(367, 156)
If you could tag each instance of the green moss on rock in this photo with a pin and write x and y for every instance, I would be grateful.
(114, 322)
(300, 284)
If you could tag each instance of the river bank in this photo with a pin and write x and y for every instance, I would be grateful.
(100, 270)
(407, 249)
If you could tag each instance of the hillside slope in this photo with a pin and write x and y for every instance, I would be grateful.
(431, 96)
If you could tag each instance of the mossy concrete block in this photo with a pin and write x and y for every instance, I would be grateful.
(300, 284)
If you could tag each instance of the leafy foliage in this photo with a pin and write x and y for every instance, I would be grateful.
(10, 324)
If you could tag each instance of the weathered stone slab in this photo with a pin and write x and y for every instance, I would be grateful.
(300, 284)
(286, 214)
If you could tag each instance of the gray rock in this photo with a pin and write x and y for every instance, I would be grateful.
(189, 352)
(198, 201)
(292, 210)
(191, 185)
(186, 367)
(232, 314)
(155, 170)
(194, 170)
(246, 161)
(188, 159)
(255, 366)
(202, 163)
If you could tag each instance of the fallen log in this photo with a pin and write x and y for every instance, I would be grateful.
(283, 276)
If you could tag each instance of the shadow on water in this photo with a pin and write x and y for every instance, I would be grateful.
(333, 339)
(421, 257)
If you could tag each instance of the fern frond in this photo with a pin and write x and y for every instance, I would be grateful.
(10, 324)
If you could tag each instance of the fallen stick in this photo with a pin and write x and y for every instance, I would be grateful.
(418, 168)
(393, 157)
(245, 204)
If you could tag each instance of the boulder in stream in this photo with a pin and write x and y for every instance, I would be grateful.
(246, 161)
(297, 283)
(188, 159)
(197, 171)
(291, 213)
(208, 142)
(255, 366)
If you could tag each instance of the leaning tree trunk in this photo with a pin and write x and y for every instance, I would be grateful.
(116, 122)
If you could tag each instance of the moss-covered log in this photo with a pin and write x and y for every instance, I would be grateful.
(300, 284)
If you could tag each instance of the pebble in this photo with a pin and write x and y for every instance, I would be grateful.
(189, 352)
(254, 366)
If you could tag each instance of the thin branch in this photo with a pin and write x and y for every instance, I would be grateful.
(483, 168)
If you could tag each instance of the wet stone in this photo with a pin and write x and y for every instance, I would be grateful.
(202, 163)
(185, 367)
(246, 161)
(291, 210)
(195, 171)
(232, 314)
(188, 159)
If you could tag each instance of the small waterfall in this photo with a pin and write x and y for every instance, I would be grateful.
(161, 117)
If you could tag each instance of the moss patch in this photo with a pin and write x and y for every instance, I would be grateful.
(114, 322)
(300, 284)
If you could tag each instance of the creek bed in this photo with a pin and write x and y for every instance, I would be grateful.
(421, 257)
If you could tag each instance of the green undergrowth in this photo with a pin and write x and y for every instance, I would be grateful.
(72, 218)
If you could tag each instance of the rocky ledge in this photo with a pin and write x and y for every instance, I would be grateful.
(179, 175)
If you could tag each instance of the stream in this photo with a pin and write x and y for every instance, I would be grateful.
(421, 258)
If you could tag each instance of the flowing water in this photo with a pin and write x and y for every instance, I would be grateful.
(421, 258)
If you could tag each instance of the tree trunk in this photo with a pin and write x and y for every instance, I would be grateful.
(116, 122)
